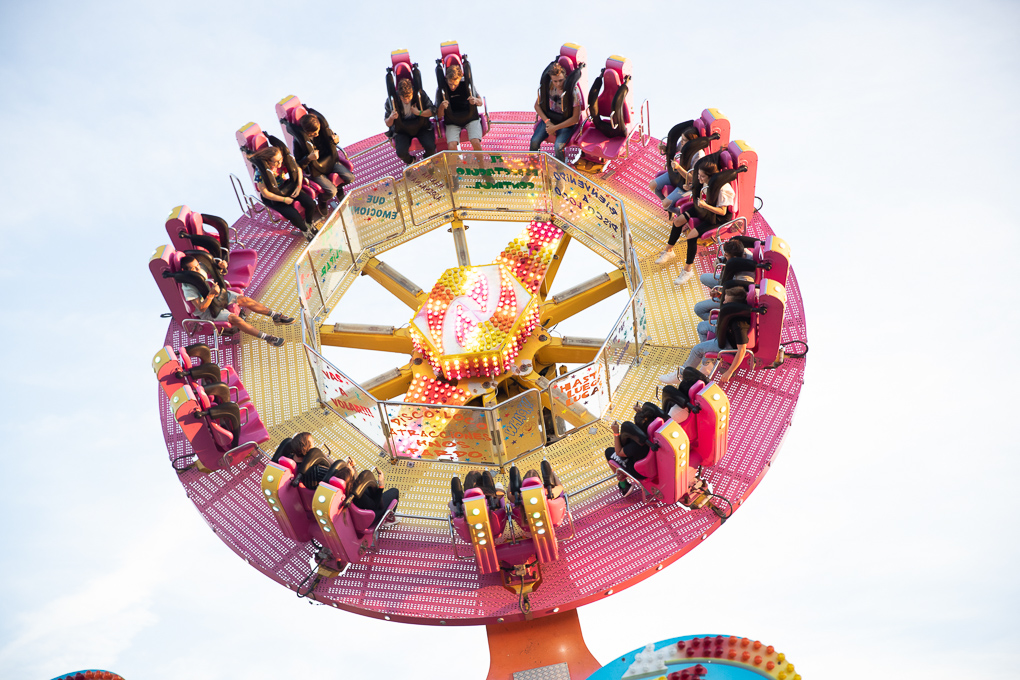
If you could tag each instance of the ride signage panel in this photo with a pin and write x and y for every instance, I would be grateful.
(579, 397)
(427, 195)
(504, 182)
(329, 255)
(587, 206)
(519, 422)
(345, 397)
(441, 433)
(371, 214)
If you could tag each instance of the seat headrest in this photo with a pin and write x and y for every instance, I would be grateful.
(175, 260)
(186, 362)
(695, 389)
(473, 493)
(726, 160)
(451, 59)
(399, 57)
(611, 82)
(567, 63)
(619, 65)
(193, 222)
(699, 125)
(294, 115)
(531, 481)
(402, 71)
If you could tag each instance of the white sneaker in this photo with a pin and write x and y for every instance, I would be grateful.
(665, 257)
(671, 378)
(684, 277)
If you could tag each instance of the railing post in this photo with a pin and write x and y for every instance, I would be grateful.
(609, 386)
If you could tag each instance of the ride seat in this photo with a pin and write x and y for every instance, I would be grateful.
(165, 262)
(207, 436)
(711, 415)
(482, 530)
(290, 111)
(450, 54)
(228, 375)
(573, 57)
(250, 138)
(404, 69)
(776, 252)
(745, 160)
(187, 231)
(596, 144)
(285, 501)
(768, 307)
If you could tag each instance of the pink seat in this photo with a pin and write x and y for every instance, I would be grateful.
(250, 138)
(573, 58)
(401, 68)
(290, 111)
(189, 230)
(164, 263)
(210, 441)
(228, 375)
(744, 164)
(285, 501)
(766, 305)
(611, 112)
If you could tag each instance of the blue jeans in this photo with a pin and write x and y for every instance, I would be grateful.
(704, 308)
(563, 136)
(661, 181)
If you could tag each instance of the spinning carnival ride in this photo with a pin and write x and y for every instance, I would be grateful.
(481, 383)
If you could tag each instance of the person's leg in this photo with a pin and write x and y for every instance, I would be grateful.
(453, 137)
(289, 213)
(562, 139)
(698, 352)
(428, 142)
(259, 308)
(346, 176)
(659, 183)
(538, 136)
(709, 280)
(388, 496)
(703, 309)
(328, 189)
(667, 255)
(312, 211)
(245, 327)
(474, 129)
(704, 328)
(669, 203)
(402, 144)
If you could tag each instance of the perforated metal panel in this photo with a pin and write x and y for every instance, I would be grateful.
(414, 575)
(558, 671)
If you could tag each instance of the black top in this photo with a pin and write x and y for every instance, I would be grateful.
(461, 111)
(370, 498)
(634, 451)
(736, 333)
(411, 121)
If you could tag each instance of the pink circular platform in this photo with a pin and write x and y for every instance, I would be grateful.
(413, 576)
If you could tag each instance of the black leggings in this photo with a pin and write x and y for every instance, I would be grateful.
(290, 212)
(704, 225)
(628, 464)
(402, 144)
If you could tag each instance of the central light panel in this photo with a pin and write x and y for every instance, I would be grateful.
(476, 319)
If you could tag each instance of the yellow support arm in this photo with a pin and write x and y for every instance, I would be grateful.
(582, 296)
(554, 265)
(359, 336)
(390, 384)
(568, 351)
(396, 283)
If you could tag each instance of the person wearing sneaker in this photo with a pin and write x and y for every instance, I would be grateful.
(630, 443)
(202, 306)
(701, 216)
(731, 328)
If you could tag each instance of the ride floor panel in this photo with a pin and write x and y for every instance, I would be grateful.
(414, 575)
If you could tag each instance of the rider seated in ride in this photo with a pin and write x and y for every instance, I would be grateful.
(551, 482)
(322, 159)
(369, 493)
(630, 442)
(734, 251)
(680, 163)
(410, 121)
(731, 330)
(279, 181)
(553, 112)
(211, 303)
(459, 109)
(709, 209)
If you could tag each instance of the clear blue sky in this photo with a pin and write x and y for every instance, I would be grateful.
(887, 138)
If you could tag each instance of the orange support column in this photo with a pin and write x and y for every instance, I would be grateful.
(550, 640)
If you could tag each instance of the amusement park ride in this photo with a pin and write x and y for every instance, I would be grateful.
(484, 383)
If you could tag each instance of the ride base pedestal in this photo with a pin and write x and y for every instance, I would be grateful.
(538, 643)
